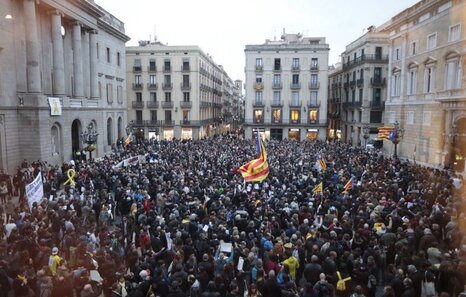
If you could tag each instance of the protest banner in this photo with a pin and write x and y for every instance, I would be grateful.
(35, 190)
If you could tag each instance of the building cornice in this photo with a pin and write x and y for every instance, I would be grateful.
(114, 32)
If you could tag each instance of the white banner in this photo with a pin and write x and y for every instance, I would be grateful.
(35, 191)
(141, 159)
(55, 106)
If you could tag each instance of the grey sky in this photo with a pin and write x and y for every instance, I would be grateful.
(223, 28)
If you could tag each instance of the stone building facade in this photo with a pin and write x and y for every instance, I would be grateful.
(62, 69)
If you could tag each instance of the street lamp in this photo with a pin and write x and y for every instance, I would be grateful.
(396, 135)
(365, 130)
(89, 137)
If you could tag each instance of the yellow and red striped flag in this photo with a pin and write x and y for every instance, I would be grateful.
(349, 185)
(318, 189)
(258, 169)
(384, 133)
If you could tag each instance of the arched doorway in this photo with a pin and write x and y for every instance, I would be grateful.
(75, 132)
(120, 128)
(109, 131)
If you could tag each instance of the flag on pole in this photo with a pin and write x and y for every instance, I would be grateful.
(128, 139)
(384, 133)
(318, 189)
(258, 169)
(320, 165)
(349, 185)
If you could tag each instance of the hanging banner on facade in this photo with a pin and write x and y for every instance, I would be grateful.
(55, 106)
(35, 191)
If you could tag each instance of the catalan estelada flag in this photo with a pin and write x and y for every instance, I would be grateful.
(258, 169)
(323, 164)
(384, 133)
(318, 189)
(128, 139)
(349, 185)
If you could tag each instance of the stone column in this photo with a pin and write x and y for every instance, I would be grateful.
(93, 76)
(32, 47)
(58, 59)
(86, 64)
(78, 61)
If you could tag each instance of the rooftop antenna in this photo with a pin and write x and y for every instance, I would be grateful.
(155, 32)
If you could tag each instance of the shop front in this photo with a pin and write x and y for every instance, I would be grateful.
(294, 134)
(187, 133)
(332, 133)
(168, 134)
(276, 134)
(312, 134)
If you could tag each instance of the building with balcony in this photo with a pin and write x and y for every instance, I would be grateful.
(426, 82)
(360, 85)
(286, 88)
(62, 69)
(335, 89)
(179, 91)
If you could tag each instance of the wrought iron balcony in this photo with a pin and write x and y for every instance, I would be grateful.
(259, 68)
(365, 58)
(377, 82)
(276, 104)
(295, 104)
(190, 123)
(167, 86)
(185, 86)
(137, 104)
(258, 104)
(360, 82)
(153, 86)
(277, 85)
(314, 67)
(151, 68)
(167, 68)
(137, 86)
(166, 123)
(295, 68)
(314, 85)
(152, 104)
(151, 123)
(295, 86)
(314, 104)
(186, 104)
(377, 105)
(185, 68)
(167, 105)
(137, 68)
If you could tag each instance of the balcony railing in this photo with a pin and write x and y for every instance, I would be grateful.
(377, 82)
(352, 104)
(377, 105)
(295, 104)
(365, 58)
(352, 83)
(166, 104)
(313, 104)
(137, 68)
(186, 104)
(259, 68)
(137, 86)
(258, 86)
(151, 123)
(277, 68)
(138, 123)
(185, 68)
(276, 104)
(277, 85)
(137, 104)
(166, 123)
(258, 104)
(360, 82)
(190, 123)
(314, 67)
(151, 68)
(295, 68)
(167, 68)
(295, 86)
(167, 86)
(314, 85)
(152, 104)
(185, 86)
(153, 86)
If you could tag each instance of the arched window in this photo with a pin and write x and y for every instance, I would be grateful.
(109, 131)
(55, 140)
(120, 128)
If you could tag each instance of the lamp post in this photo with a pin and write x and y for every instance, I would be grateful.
(89, 137)
(365, 130)
(396, 135)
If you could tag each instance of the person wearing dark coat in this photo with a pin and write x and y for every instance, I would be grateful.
(397, 283)
(271, 287)
(409, 290)
(62, 287)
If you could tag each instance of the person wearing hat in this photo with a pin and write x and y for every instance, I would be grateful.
(54, 261)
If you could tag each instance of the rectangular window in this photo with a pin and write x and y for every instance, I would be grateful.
(413, 48)
(152, 65)
(295, 79)
(295, 99)
(185, 65)
(109, 93)
(186, 96)
(259, 62)
(391, 117)
(314, 62)
(152, 80)
(313, 98)
(108, 55)
(454, 33)
(361, 74)
(168, 97)
(167, 65)
(412, 82)
(295, 63)
(258, 78)
(153, 116)
(313, 116)
(431, 41)
(295, 115)
(119, 94)
(397, 54)
(376, 117)
(396, 85)
(452, 75)
(153, 96)
(429, 81)
(97, 49)
(139, 116)
(167, 79)
(277, 64)
(137, 79)
(118, 59)
(314, 79)
(138, 96)
(168, 116)
(360, 95)
(258, 98)
(276, 116)
(377, 95)
(258, 115)
(185, 80)
(378, 53)
(276, 97)
(426, 118)
(410, 117)
(185, 115)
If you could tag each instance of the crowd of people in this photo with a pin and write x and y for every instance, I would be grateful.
(180, 221)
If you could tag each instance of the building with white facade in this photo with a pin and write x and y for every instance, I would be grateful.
(173, 91)
(427, 82)
(362, 93)
(286, 88)
(62, 68)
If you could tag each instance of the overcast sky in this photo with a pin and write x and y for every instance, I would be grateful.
(223, 28)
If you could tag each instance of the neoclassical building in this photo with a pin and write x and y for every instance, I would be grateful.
(62, 69)
(286, 88)
(427, 81)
